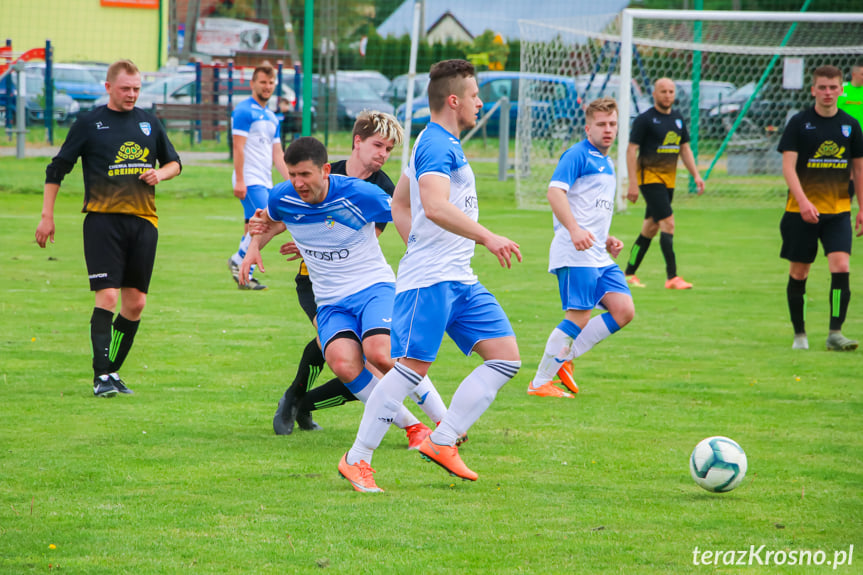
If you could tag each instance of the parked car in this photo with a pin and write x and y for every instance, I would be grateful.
(78, 81)
(65, 108)
(352, 97)
(397, 92)
(710, 94)
(768, 112)
(374, 79)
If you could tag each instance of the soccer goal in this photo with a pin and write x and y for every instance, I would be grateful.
(739, 77)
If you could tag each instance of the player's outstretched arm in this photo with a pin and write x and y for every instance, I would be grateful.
(401, 208)
(689, 161)
(632, 172)
(434, 193)
(857, 170)
(582, 239)
(252, 258)
(808, 211)
(239, 146)
(45, 229)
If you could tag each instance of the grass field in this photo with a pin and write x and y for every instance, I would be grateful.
(187, 475)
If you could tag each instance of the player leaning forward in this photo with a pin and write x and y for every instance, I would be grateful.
(119, 146)
(821, 148)
(581, 194)
(435, 211)
(332, 220)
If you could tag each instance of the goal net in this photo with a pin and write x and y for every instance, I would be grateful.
(739, 77)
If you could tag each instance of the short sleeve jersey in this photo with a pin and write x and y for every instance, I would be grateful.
(587, 176)
(115, 149)
(825, 148)
(659, 137)
(434, 254)
(379, 178)
(260, 127)
(337, 236)
(851, 101)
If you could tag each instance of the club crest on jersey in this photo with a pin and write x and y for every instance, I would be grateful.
(846, 130)
(330, 222)
(145, 127)
(679, 123)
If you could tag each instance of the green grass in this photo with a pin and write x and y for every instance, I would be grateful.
(187, 476)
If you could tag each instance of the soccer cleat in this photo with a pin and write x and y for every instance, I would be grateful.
(461, 439)
(103, 387)
(677, 282)
(286, 414)
(547, 390)
(306, 423)
(416, 434)
(360, 475)
(119, 384)
(800, 341)
(447, 457)
(565, 375)
(633, 281)
(838, 342)
(235, 269)
(253, 285)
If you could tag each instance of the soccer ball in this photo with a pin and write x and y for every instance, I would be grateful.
(717, 464)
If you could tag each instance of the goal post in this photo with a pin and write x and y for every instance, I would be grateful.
(739, 76)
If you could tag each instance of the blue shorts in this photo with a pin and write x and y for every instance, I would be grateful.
(468, 313)
(583, 288)
(256, 198)
(364, 313)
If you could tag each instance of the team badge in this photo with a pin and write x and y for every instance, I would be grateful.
(330, 222)
(846, 130)
(679, 123)
(145, 127)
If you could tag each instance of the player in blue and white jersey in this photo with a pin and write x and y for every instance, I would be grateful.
(257, 147)
(435, 211)
(332, 220)
(581, 194)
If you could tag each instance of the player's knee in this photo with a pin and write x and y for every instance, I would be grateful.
(624, 314)
(380, 358)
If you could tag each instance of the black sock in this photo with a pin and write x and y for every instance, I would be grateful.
(309, 369)
(100, 340)
(331, 394)
(121, 341)
(636, 254)
(840, 295)
(796, 292)
(666, 242)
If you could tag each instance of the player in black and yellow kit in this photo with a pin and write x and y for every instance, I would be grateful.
(119, 146)
(821, 148)
(375, 134)
(658, 137)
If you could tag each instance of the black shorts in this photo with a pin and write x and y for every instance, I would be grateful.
(119, 250)
(800, 239)
(306, 295)
(658, 199)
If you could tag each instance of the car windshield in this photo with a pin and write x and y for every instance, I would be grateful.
(353, 90)
(165, 85)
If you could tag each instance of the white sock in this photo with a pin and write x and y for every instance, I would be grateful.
(472, 398)
(595, 331)
(557, 350)
(382, 409)
(427, 397)
(403, 418)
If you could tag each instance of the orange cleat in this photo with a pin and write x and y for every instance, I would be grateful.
(416, 433)
(633, 281)
(677, 282)
(547, 390)
(447, 457)
(360, 475)
(566, 378)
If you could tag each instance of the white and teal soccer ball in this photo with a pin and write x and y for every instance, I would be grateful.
(718, 464)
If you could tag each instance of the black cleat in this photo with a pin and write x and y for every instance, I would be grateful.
(119, 384)
(306, 423)
(103, 387)
(286, 414)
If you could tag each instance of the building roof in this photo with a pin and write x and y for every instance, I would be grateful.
(477, 16)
